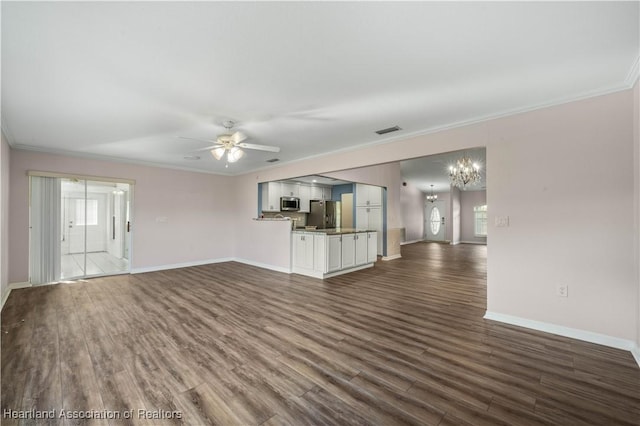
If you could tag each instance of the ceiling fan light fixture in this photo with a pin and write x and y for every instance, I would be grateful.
(218, 152)
(234, 154)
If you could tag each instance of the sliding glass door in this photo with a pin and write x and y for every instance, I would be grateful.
(79, 228)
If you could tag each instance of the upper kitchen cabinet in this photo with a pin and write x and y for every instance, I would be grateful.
(304, 192)
(368, 195)
(290, 189)
(320, 192)
(271, 193)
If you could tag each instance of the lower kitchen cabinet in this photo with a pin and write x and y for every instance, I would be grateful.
(372, 244)
(361, 248)
(320, 255)
(302, 250)
(334, 253)
(348, 250)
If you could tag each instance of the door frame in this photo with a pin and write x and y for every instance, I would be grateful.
(130, 182)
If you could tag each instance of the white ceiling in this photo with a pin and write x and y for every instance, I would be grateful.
(126, 80)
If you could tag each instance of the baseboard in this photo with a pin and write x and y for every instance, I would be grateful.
(574, 333)
(5, 296)
(483, 243)
(179, 265)
(410, 242)
(262, 265)
(395, 256)
(12, 286)
(636, 354)
(15, 286)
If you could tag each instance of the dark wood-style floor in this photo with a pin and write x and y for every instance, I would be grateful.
(402, 343)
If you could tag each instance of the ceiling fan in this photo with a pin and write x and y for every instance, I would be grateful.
(231, 144)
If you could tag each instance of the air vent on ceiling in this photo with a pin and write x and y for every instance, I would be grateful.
(273, 160)
(388, 130)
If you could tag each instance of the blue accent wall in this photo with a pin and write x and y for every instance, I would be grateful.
(338, 190)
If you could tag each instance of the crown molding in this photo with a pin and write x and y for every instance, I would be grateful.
(628, 83)
(101, 157)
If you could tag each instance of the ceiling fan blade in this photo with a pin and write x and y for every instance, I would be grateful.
(238, 137)
(199, 140)
(208, 148)
(259, 147)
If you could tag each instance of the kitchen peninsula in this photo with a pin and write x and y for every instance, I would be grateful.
(324, 253)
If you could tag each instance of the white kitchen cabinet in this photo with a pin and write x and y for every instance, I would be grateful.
(290, 190)
(271, 196)
(302, 250)
(368, 195)
(319, 255)
(326, 192)
(320, 192)
(348, 250)
(372, 247)
(305, 197)
(361, 248)
(334, 253)
(370, 218)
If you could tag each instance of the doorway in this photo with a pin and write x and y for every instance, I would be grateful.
(79, 228)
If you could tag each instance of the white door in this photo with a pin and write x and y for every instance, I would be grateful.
(434, 226)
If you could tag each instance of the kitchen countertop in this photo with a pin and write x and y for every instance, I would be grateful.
(334, 231)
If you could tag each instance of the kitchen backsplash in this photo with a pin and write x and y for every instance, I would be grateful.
(301, 217)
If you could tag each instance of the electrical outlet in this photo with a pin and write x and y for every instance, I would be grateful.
(562, 290)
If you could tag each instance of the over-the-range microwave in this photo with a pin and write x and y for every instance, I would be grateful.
(289, 204)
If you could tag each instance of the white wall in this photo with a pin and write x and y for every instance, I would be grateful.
(412, 212)
(178, 217)
(546, 167)
(469, 200)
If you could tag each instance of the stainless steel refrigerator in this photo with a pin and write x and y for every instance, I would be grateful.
(324, 214)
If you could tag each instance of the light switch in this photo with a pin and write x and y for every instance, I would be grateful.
(502, 221)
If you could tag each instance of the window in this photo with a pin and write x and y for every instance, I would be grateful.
(92, 212)
(480, 220)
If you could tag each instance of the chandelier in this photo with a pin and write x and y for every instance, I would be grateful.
(431, 197)
(464, 173)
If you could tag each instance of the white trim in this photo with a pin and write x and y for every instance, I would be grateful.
(12, 286)
(625, 85)
(262, 265)
(15, 286)
(574, 333)
(636, 354)
(634, 73)
(395, 256)
(39, 173)
(179, 265)
(484, 243)
(4, 298)
(410, 242)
